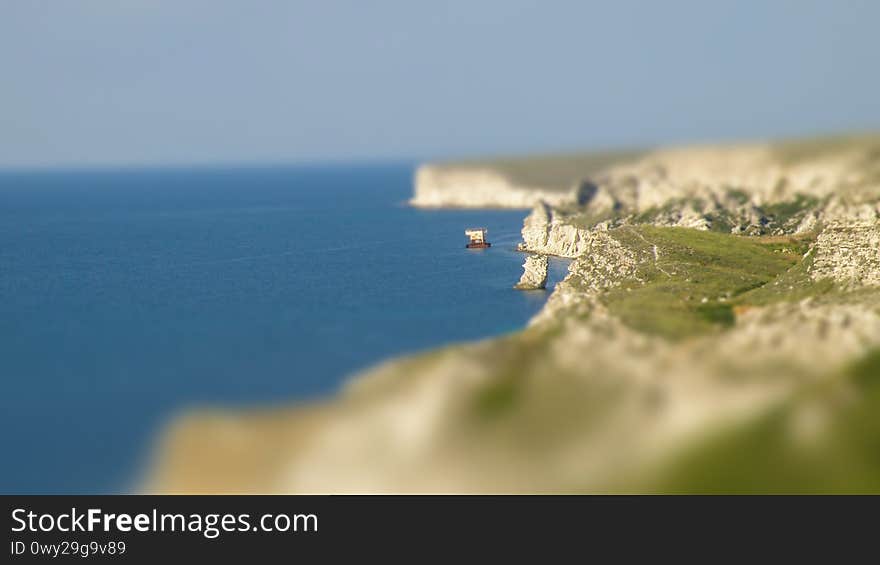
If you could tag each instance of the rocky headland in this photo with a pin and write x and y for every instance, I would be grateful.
(718, 331)
(509, 183)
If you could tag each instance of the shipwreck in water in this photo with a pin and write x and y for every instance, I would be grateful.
(477, 238)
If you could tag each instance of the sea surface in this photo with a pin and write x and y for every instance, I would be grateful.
(129, 296)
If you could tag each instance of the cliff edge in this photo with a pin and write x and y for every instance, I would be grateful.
(508, 183)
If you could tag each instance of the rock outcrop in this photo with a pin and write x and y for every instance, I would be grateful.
(544, 231)
(534, 275)
(849, 254)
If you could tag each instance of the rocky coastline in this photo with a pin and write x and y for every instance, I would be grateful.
(718, 331)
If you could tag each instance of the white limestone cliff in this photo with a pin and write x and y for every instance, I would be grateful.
(478, 187)
(545, 232)
(534, 275)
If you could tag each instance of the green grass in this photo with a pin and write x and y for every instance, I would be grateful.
(782, 212)
(695, 282)
(498, 397)
(721, 314)
(765, 455)
(794, 284)
(672, 206)
(514, 356)
(741, 196)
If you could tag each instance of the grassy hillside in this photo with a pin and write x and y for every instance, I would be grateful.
(696, 280)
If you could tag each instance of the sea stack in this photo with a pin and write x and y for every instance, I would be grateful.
(534, 273)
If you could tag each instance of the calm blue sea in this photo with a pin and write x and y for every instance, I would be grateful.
(127, 296)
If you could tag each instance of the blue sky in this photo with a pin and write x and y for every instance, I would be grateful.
(111, 82)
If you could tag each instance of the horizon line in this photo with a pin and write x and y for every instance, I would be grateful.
(417, 160)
